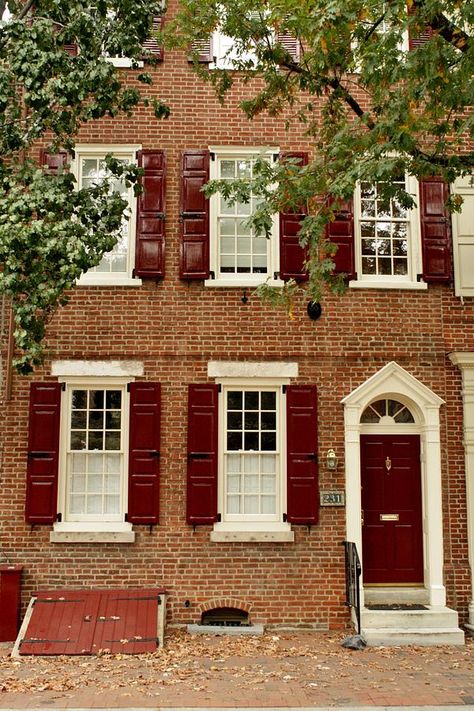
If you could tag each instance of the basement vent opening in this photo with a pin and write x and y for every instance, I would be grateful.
(225, 617)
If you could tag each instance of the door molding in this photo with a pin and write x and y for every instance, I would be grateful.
(392, 381)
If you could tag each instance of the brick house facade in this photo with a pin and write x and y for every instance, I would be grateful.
(185, 419)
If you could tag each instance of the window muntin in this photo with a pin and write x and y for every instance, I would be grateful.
(387, 411)
(383, 232)
(251, 454)
(95, 454)
(93, 171)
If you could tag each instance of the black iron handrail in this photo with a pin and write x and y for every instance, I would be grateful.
(353, 573)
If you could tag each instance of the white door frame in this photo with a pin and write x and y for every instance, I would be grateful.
(392, 381)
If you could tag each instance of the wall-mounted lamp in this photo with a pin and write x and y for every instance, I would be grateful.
(331, 460)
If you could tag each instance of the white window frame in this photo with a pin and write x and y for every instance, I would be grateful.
(240, 280)
(253, 376)
(392, 281)
(90, 529)
(127, 152)
(222, 50)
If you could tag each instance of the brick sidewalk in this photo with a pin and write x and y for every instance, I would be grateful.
(276, 670)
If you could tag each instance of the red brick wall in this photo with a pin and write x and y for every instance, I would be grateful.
(176, 328)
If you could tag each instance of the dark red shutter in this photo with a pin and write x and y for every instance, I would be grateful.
(292, 254)
(43, 453)
(291, 44)
(202, 454)
(302, 448)
(341, 233)
(151, 45)
(71, 49)
(202, 50)
(194, 256)
(54, 162)
(435, 230)
(422, 37)
(144, 453)
(150, 239)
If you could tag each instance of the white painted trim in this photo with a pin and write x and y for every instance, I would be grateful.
(252, 369)
(92, 532)
(393, 381)
(97, 368)
(99, 279)
(387, 284)
(243, 283)
(461, 241)
(465, 362)
(124, 63)
(228, 536)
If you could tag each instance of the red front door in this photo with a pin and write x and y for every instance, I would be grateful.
(392, 541)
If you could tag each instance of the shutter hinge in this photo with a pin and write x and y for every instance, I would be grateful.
(128, 387)
(63, 386)
(219, 517)
(276, 157)
(219, 388)
(283, 389)
(212, 275)
(125, 517)
(59, 517)
(212, 155)
(285, 518)
(419, 277)
(276, 275)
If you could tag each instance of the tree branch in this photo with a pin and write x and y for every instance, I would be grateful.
(450, 32)
(25, 9)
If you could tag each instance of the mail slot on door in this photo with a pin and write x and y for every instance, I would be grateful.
(389, 517)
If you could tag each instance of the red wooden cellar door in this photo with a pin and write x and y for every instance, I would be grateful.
(92, 621)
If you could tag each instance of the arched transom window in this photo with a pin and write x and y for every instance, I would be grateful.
(387, 412)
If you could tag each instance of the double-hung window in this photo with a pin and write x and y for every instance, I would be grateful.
(95, 453)
(387, 236)
(252, 457)
(238, 255)
(89, 166)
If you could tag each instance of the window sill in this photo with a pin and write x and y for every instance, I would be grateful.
(124, 63)
(92, 533)
(241, 283)
(373, 284)
(119, 281)
(228, 534)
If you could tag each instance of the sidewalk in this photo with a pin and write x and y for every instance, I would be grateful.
(278, 670)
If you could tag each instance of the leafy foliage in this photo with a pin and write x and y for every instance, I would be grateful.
(50, 232)
(370, 107)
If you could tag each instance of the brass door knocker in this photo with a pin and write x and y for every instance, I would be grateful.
(388, 464)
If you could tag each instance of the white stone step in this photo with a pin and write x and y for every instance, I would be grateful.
(433, 617)
(421, 637)
(389, 595)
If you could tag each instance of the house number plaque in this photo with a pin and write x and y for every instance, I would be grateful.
(332, 498)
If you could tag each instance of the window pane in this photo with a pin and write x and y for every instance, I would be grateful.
(96, 399)
(79, 440)
(251, 400)
(112, 440)
(227, 227)
(233, 484)
(250, 440)
(234, 420)
(78, 420)
(234, 400)
(234, 440)
(268, 504)
(251, 504)
(95, 440)
(79, 399)
(251, 420)
(268, 400)
(233, 463)
(268, 420)
(96, 420)
(268, 441)
(227, 168)
(251, 483)
(113, 420)
(233, 504)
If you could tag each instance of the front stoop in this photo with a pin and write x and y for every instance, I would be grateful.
(430, 627)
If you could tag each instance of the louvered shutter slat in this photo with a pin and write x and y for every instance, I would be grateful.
(435, 230)
(194, 254)
(150, 45)
(291, 44)
(341, 233)
(150, 238)
(302, 448)
(292, 254)
(144, 453)
(202, 454)
(202, 50)
(43, 453)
